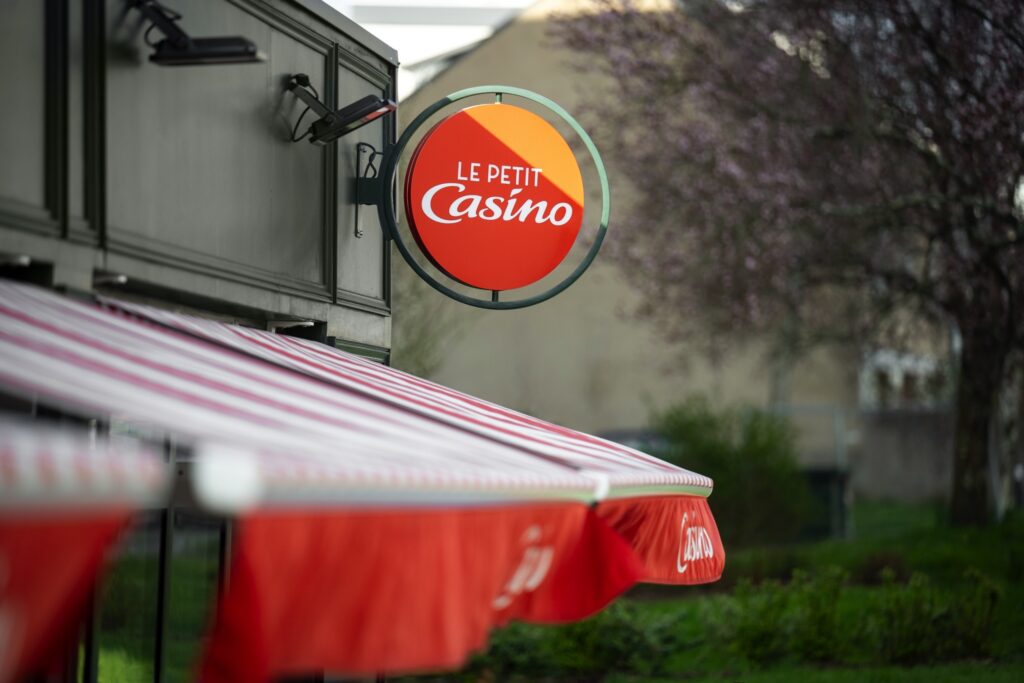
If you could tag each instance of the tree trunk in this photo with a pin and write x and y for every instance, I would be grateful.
(981, 372)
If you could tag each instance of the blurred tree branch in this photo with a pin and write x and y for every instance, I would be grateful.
(423, 323)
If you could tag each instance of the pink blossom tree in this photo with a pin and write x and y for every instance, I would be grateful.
(824, 169)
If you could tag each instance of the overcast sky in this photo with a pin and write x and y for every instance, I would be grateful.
(421, 29)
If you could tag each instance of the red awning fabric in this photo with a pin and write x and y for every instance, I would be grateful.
(650, 502)
(63, 500)
(388, 591)
(397, 535)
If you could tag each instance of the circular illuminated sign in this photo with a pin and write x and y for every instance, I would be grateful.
(494, 197)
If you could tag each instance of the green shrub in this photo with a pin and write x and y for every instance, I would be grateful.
(615, 640)
(760, 495)
(518, 649)
(815, 618)
(910, 623)
(918, 624)
(816, 633)
(770, 622)
(757, 621)
(872, 568)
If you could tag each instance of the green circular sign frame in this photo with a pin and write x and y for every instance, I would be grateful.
(389, 220)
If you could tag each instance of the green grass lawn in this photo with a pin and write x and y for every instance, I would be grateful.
(975, 672)
(128, 618)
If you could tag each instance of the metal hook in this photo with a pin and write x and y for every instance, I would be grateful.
(368, 190)
(370, 170)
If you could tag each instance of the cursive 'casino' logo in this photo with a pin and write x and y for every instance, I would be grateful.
(694, 544)
(494, 197)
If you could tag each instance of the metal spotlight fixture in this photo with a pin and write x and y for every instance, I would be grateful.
(15, 260)
(333, 124)
(101, 278)
(179, 49)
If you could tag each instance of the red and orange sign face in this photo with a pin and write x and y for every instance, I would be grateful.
(494, 197)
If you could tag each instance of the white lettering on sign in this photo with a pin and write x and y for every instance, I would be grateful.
(514, 175)
(494, 208)
(504, 174)
(474, 172)
(697, 545)
(532, 570)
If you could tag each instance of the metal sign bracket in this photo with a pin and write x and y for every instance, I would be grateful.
(368, 183)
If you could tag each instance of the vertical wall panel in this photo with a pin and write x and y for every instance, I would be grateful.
(76, 112)
(201, 172)
(23, 94)
(361, 260)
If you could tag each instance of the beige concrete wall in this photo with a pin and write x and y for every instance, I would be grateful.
(579, 360)
(918, 443)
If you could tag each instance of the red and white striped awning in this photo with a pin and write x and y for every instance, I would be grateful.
(64, 497)
(47, 468)
(288, 437)
(359, 485)
(650, 502)
(628, 472)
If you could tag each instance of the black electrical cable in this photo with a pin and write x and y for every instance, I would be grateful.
(145, 36)
(302, 116)
(296, 128)
(371, 170)
(171, 14)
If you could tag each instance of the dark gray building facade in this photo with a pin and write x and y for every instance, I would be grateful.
(181, 184)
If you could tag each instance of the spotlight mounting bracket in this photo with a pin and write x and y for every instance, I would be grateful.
(179, 49)
(332, 124)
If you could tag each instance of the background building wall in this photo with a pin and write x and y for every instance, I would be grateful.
(906, 455)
